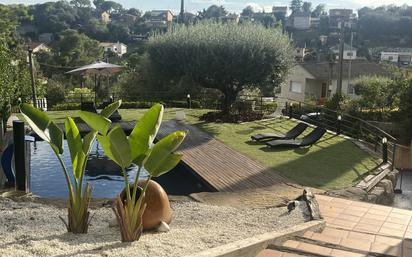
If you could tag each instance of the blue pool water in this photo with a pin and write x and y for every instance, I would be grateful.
(47, 179)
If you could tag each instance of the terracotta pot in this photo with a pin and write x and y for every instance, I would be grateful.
(158, 206)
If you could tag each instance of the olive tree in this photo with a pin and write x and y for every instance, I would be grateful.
(227, 57)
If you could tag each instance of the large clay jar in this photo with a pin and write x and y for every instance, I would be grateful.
(157, 205)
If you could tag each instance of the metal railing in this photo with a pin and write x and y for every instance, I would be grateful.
(377, 140)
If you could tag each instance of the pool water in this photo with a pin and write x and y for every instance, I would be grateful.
(47, 179)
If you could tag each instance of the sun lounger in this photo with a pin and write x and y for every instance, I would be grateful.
(308, 140)
(291, 134)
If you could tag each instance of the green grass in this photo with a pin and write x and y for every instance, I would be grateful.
(332, 163)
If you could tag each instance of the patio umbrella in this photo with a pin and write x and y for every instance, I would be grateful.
(97, 69)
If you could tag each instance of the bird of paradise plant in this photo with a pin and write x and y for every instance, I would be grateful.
(139, 148)
(79, 195)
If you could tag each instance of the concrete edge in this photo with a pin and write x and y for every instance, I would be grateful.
(250, 247)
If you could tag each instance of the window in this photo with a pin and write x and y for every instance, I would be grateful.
(390, 58)
(350, 54)
(295, 87)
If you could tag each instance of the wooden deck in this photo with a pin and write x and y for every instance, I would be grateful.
(221, 167)
(217, 165)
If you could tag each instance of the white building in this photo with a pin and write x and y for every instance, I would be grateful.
(349, 53)
(318, 81)
(118, 48)
(302, 20)
(403, 58)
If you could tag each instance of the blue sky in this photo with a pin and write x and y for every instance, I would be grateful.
(232, 5)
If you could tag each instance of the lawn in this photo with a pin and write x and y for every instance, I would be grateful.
(333, 163)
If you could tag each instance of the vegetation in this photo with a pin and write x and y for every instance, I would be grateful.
(386, 25)
(405, 106)
(237, 57)
(138, 148)
(14, 80)
(79, 195)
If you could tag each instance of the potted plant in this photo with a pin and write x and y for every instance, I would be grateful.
(139, 148)
(79, 194)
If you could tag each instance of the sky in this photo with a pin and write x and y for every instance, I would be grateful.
(232, 5)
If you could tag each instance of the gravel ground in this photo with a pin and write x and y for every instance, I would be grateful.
(32, 229)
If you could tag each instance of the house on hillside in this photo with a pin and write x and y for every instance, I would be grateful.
(301, 20)
(316, 81)
(160, 19)
(105, 17)
(400, 58)
(118, 48)
(338, 16)
(37, 47)
(349, 52)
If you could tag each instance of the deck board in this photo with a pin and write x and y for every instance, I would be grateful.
(219, 165)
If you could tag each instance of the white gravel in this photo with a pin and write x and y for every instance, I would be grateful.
(32, 229)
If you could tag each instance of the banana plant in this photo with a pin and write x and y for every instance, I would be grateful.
(79, 195)
(139, 149)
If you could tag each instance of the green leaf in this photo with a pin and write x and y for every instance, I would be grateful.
(105, 144)
(119, 147)
(73, 138)
(96, 121)
(78, 164)
(43, 127)
(145, 132)
(88, 141)
(160, 159)
(110, 109)
(168, 164)
(56, 136)
(38, 118)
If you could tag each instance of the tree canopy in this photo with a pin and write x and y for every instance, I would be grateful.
(227, 57)
(296, 6)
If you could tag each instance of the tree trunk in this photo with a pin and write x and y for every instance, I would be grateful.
(228, 100)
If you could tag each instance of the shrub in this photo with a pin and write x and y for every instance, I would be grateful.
(54, 93)
(227, 57)
(65, 107)
(78, 95)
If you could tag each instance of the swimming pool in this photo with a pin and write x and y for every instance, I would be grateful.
(47, 179)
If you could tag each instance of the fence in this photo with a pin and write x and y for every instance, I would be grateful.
(375, 138)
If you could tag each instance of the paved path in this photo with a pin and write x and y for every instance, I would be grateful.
(353, 229)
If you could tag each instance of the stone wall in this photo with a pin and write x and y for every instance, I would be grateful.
(381, 193)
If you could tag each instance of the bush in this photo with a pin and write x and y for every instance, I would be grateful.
(65, 107)
(226, 57)
(406, 110)
(54, 93)
(78, 95)
(169, 103)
